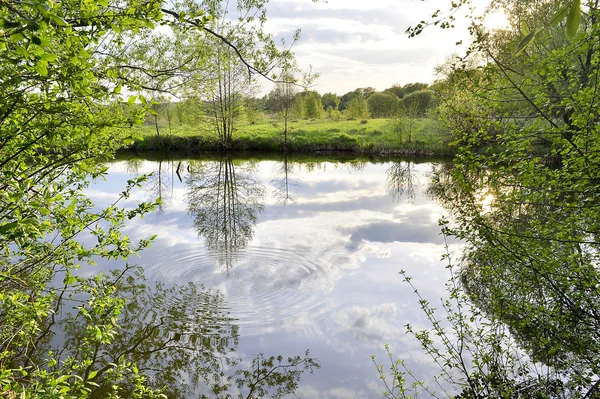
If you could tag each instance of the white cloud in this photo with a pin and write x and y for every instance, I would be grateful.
(353, 43)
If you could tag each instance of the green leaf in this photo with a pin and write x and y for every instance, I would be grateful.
(41, 68)
(16, 37)
(57, 20)
(48, 57)
(6, 24)
(573, 19)
(8, 226)
(559, 16)
(131, 99)
(36, 40)
(525, 28)
(525, 42)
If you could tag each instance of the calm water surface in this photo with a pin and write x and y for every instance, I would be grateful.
(305, 254)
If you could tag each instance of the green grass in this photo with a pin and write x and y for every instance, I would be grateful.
(375, 136)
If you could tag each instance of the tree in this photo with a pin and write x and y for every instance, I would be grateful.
(401, 91)
(404, 123)
(253, 109)
(231, 87)
(524, 212)
(420, 101)
(382, 105)
(284, 95)
(347, 98)
(297, 109)
(358, 108)
(330, 100)
(313, 108)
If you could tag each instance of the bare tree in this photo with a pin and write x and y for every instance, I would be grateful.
(285, 94)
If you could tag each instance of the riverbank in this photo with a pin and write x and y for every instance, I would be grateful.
(372, 136)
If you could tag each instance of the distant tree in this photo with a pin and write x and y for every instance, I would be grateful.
(413, 87)
(401, 91)
(366, 92)
(189, 111)
(404, 123)
(395, 90)
(330, 100)
(383, 105)
(253, 109)
(313, 107)
(270, 102)
(347, 98)
(284, 95)
(420, 101)
(332, 113)
(297, 109)
(358, 108)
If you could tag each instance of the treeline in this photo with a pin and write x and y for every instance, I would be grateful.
(361, 103)
(415, 99)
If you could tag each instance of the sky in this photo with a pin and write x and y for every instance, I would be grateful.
(362, 43)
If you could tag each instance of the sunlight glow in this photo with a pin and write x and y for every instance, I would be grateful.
(497, 20)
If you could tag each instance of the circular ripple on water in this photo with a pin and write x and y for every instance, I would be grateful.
(265, 289)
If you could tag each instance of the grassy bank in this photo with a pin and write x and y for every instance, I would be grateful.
(373, 136)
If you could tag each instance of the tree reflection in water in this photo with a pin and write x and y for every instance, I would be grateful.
(225, 200)
(530, 265)
(282, 181)
(160, 183)
(180, 338)
(401, 180)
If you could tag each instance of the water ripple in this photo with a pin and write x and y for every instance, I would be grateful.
(266, 289)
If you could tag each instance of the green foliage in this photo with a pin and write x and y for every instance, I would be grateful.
(252, 111)
(333, 114)
(404, 123)
(330, 100)
(313, 108)
(188, 111)
(401, 91)
(477, 356)
(382, 105)
(363, 92)
(521, 192)
(420, 101)
(358, 108)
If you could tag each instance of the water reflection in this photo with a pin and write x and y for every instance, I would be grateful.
(224, 199)
(531, 262)
(161, 180)
(319, 268)
(401, 180)
(181, 338)
(283, 181)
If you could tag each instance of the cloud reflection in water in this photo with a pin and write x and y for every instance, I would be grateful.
(317, 264)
